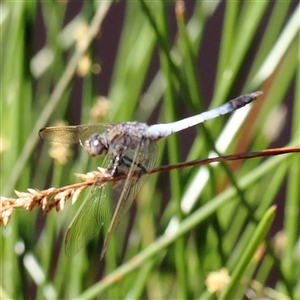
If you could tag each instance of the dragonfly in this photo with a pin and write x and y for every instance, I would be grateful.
(129, 148)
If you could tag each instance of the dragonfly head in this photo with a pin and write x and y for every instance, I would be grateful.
(96, 145)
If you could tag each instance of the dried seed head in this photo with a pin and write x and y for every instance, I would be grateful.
(62, 202)
(77, 193)
(52, 197)
(5, 216)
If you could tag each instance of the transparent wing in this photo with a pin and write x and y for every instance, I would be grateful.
(93, 213)
(72, 134)
(145, 155)
(91, 216)
(98, 206)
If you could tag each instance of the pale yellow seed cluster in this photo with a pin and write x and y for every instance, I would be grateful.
(217, 281)
(60, 153)
(100, 108)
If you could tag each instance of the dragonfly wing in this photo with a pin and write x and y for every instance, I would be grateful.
(93, 213)
(145, 155)
(89, 219)
(72, 134)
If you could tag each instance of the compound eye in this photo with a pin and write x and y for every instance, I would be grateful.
(94, 145)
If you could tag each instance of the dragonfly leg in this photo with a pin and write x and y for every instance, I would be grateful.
(115, 165)
(127, 161)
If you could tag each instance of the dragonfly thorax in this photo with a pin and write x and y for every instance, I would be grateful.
(117, 140)
(96, 145)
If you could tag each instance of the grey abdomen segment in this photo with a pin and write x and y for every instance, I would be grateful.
(162, 130)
